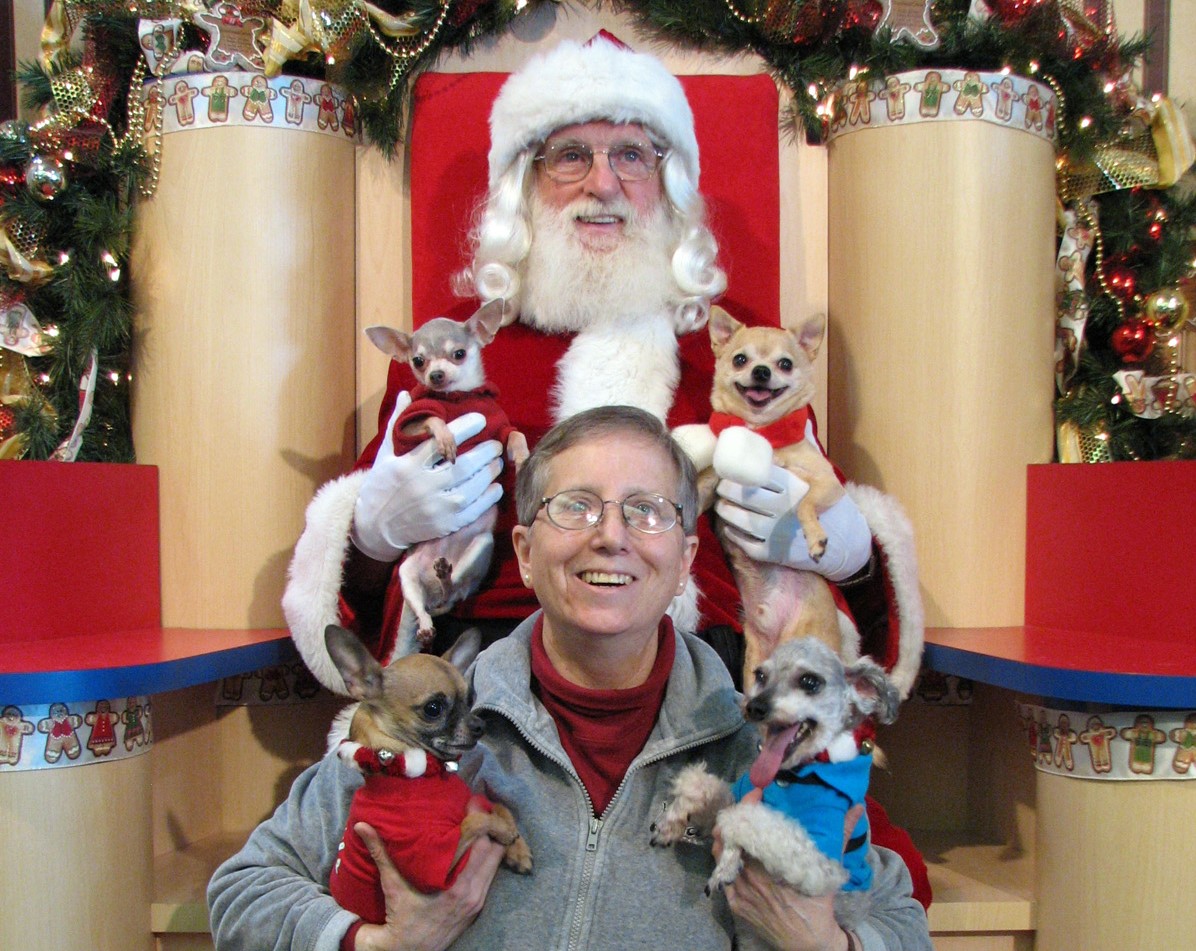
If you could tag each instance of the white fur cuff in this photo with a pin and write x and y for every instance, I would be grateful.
(311, 600)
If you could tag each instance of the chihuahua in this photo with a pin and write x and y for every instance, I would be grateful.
(789, 812)
(446, 357)
(413, 721)
(763, 384)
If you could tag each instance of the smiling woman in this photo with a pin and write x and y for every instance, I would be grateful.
(605, 586)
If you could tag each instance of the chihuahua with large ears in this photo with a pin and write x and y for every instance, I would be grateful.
(412, 723)
(763, 384)
(815, 717)
(446, 357)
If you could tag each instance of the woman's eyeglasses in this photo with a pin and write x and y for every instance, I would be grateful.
(576, 509)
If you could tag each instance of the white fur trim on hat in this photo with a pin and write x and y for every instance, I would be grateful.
(572, 84)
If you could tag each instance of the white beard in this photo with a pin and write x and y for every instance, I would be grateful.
(620, 302)
(570, 288)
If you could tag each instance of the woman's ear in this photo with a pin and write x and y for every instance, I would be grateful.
(521, 541)
(687, 559)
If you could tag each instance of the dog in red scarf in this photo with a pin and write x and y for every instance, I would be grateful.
(763, 384)
(412, 723)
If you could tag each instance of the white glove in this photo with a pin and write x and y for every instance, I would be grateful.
(762, 521)
(418, 496)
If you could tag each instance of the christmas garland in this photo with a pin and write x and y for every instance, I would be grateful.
(69, 180)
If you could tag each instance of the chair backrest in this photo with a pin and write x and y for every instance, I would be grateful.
(736, 121)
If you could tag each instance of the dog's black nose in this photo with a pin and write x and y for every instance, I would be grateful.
(756, 708)
(436, 377)
(761, 374)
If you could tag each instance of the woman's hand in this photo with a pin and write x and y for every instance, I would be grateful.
(418, 922)
(784, 918)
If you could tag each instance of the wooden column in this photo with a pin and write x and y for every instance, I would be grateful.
(244, 378)
(941, 321)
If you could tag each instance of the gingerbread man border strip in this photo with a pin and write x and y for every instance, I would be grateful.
(58, 734)
(944, 95)
(185, 101)
(1120, 745)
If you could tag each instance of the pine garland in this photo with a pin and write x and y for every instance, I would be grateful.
(810, 46)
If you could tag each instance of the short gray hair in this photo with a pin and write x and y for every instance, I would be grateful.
(532, 482)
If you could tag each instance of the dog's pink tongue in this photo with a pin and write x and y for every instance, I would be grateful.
(772, 753)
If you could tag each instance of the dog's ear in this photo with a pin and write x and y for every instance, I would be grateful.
(810, 335)
(394, 343)
(722, 328)
(467, 647)
(486, 320)
(874, 693)
(359, 670)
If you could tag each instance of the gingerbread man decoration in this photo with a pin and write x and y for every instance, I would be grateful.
(349, 118)
(134, 730)
(258, 96)
(13, 730)
(1065, 738)
(183, 100)
(154, 102)
(234, 40)
(1045, 750)
(327, 103)
(1033, 100)
(1184, 737)
(1143, 738)
(1005, 99)
(1096, 737)
(219, 95)
(931, 91)
(60, 727)
(894, 98)
(297, 97)
(910, 20)
(274, 684)
(102, 721)
(971, 91)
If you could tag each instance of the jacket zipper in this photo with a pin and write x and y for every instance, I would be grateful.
(596, 822)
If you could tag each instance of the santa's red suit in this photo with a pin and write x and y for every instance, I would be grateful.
(539, 374)
(417, 807)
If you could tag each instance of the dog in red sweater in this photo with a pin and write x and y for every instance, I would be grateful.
(412, 723)
(446, 358)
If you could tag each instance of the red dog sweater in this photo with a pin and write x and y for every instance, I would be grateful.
(419, 819)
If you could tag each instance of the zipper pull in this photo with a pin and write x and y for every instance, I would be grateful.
(592, 839)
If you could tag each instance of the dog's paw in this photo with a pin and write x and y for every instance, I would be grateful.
(689, 815)
(729, 865)
(518, 856)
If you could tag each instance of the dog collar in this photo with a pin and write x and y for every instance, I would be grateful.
(410, 763)
(784, 432)
(864, 737)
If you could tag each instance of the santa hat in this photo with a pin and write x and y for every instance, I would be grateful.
(602, 80)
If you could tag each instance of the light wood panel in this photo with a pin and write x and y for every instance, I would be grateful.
(1114, 864)
(77, 857)
(244, 381)
(941, 327)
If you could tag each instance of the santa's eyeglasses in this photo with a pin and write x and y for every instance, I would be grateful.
(568, 162)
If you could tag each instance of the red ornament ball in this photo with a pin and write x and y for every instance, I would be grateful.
(863, 14)
(1014, 11)
(1133, 340)
(1121, 281)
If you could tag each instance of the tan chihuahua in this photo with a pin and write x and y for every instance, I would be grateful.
(412, 723)
(763, 384)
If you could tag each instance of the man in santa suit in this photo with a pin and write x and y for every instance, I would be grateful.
(593, 233)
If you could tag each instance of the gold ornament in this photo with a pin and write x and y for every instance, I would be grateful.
(20, 243)
(1081, 445)
(1167, 309)
(16, 387)
(45, 177)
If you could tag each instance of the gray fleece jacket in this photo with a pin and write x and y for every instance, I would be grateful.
(598, 883)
